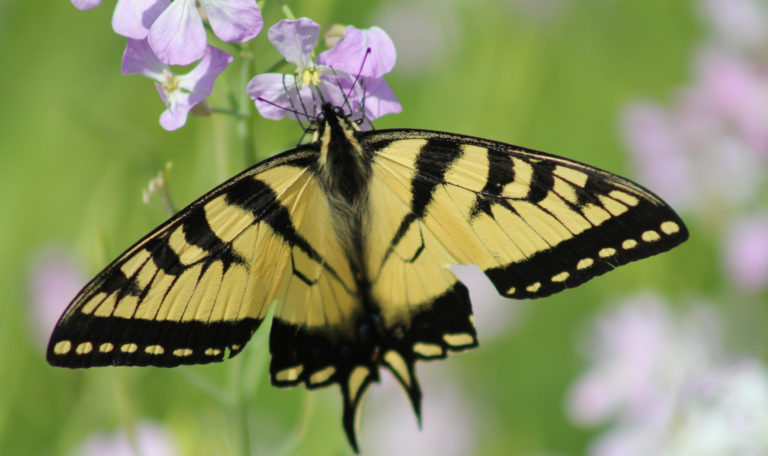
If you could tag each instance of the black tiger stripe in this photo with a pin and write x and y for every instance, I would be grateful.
(259, 199)
(501, 172)
(198, 232)
(163, 256)
(542, 181)
(433, 161)
(115, 280)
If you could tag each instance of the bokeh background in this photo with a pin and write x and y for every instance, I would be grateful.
(664, 356)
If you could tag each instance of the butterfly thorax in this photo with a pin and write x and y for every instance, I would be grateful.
(344, 169)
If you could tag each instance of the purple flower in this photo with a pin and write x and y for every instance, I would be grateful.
(133, 18)
(640, 356)
(85, 4)
(709, 148)
(350, 51)
(723, 410)
(332, 78)
(746, 252)
(668, 386)
(743, 23)
(175, 29)
(179, 93)
(178, 37)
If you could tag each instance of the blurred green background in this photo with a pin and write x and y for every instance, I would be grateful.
(78, 142)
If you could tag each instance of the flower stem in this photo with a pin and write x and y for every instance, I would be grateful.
(245, 125)
(288, 13)
(239, 405)
(230, 112)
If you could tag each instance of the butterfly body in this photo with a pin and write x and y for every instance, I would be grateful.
(352, 237)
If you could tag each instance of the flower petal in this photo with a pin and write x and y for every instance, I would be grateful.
(83, 5)
(199, 82)
(379, 98)
(295, 40)
(178, 106)
(349, 53)
(178, 35)
(138, 58)
(233, 21)
(273, 87)
(133, 18)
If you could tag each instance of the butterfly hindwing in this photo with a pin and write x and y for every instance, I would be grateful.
(534, 223)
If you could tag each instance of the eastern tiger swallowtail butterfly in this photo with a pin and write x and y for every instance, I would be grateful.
(352, 236)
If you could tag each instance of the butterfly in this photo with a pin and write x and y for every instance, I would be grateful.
(351, 238)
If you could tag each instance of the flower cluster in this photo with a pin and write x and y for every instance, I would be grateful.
(665, 381)
(350, 74)
(175, 30)
(160, 33)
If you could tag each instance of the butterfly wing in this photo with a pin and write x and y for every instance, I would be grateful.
(198, 286)
(533, 222)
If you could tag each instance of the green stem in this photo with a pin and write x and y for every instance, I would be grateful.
(304, 420)
(127, 413)
(245, 126)
(288, 13)
(230, 112)
(239, 404)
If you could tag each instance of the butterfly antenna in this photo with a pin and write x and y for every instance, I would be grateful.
(359, 78)
(359, 72)
(291, 110)
(347, 104)
(363, 118)
(295, 110)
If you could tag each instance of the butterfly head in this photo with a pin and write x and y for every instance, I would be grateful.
(344, 164)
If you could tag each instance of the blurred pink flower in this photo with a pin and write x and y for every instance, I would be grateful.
(712, 144)
(746, 252)
(722, 411)
(54, 278)
(85, 4)
(664, 385)
(743, 23)
(640, 354)
(653, 141)
(150, 440)
(738, 92)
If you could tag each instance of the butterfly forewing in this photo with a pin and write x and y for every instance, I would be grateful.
(197, 287)
(535, 223)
